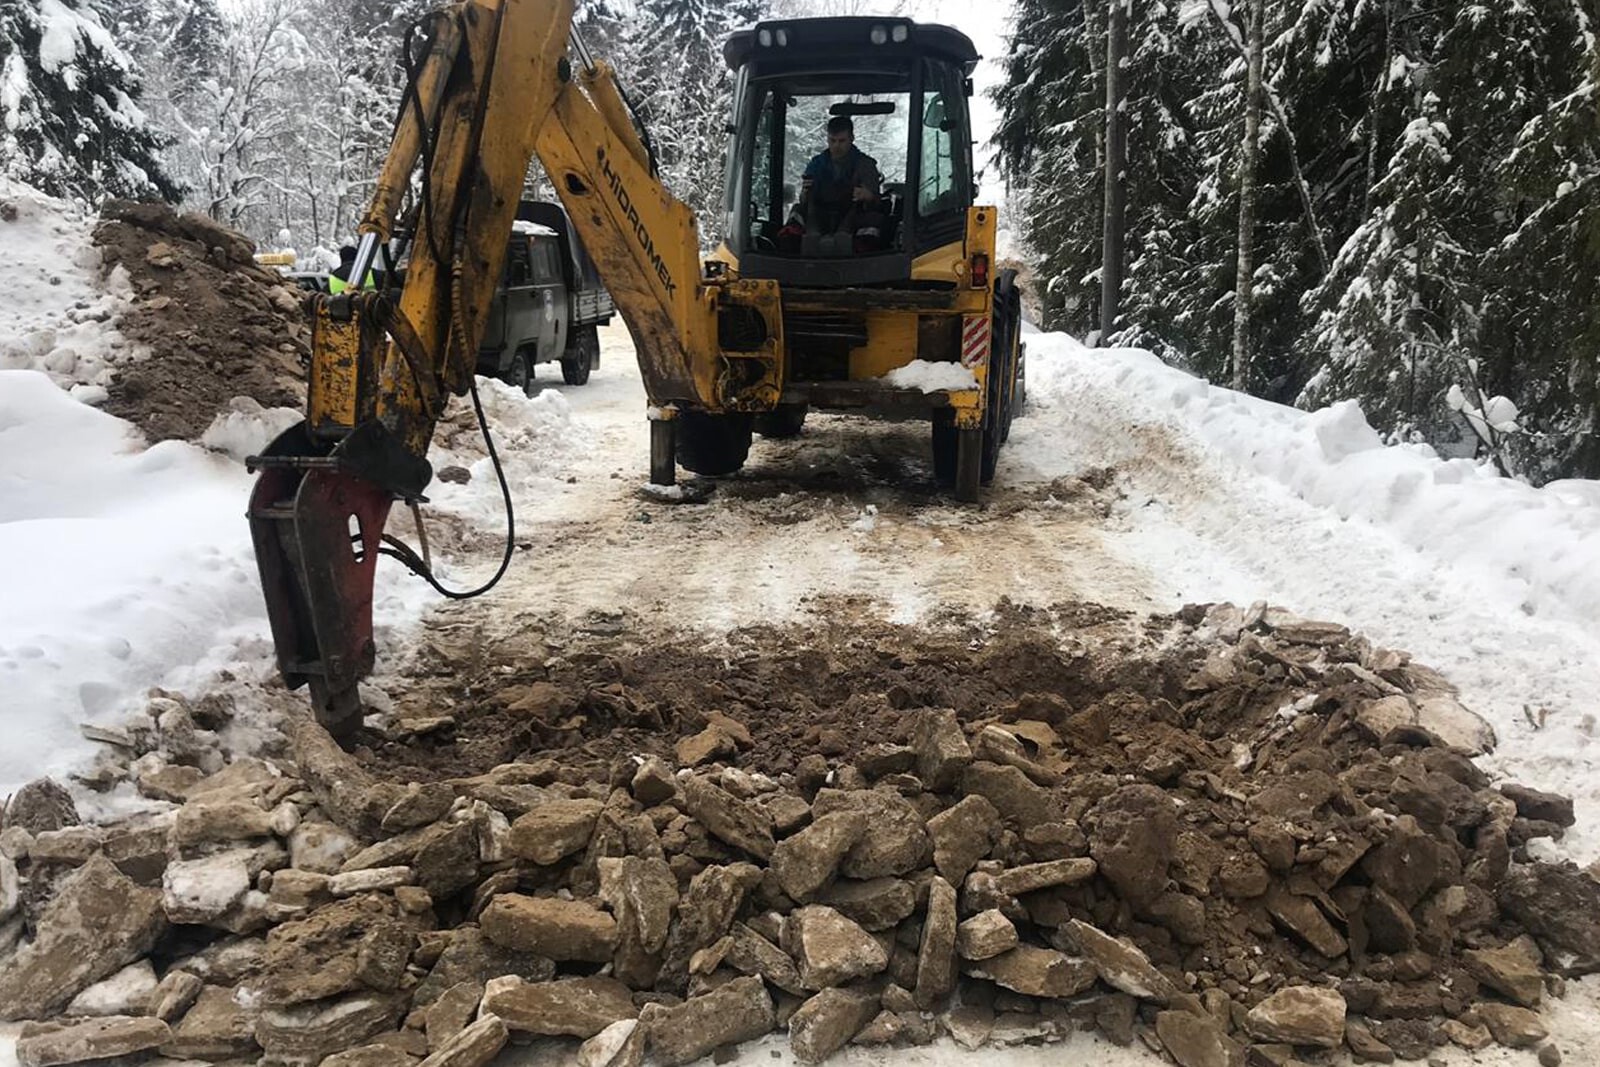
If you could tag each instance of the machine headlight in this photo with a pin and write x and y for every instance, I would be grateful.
(764, 38)
(880, 35)
(901, 33)
(783, 38)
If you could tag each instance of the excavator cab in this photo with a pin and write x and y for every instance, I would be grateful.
(904, 87)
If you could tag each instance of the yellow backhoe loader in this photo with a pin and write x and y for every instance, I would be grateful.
(903, 317)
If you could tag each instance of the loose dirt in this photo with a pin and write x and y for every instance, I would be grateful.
(215, 325)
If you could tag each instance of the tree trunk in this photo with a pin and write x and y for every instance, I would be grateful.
(1244, 283)
(1116, 201)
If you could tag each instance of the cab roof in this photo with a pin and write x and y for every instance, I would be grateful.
(827, 38)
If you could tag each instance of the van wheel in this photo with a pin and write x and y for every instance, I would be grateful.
(581, 357)
(521, 374)
(785, 420)
(713, 444)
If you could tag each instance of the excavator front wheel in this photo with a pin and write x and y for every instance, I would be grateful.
(970, 448)
(713, 444)
(663, 452)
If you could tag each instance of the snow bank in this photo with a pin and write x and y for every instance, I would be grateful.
(58, 314)
(121, 565)
(1541, 546)
(930, 377)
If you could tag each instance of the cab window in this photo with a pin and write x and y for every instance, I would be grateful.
(519, 269)
(546, 265)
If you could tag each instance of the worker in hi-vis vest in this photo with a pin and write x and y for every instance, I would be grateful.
(339, 280)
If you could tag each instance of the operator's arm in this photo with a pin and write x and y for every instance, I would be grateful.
(868, 181)
(808, 182)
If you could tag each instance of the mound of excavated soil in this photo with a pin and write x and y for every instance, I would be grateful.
(1239, 837)
(215, 324)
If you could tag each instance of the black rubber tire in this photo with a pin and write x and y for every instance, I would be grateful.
(785, 420)
(713, 444)
(944, 447)
(580, 357)
(521, 374)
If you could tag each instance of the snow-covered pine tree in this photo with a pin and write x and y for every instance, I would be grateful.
(1542, 279)
(670, 60)
(70, 119)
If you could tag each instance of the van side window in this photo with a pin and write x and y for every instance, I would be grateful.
(546, 267)
(519, 271)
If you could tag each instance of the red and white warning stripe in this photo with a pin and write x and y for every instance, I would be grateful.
(974, 340)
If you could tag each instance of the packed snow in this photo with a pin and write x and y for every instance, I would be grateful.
(929, 377)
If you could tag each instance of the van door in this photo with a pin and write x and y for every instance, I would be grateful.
(522, 311)
(552, 298)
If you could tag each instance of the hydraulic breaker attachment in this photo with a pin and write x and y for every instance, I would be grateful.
(317, 516)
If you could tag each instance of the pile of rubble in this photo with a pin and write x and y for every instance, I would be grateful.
(216, 330)
(1228, 873)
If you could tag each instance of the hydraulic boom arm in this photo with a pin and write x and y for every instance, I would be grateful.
(493, 86)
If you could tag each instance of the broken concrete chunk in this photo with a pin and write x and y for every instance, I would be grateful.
(303, 1035)
(962, 835)
(1560, 905)
(1019, 801)
(450, 1014)
(740, 824)
(571, 1007)
(830, 949)
(417, 805)
(1121, 965)
(642, 893)
(1197, 1040)
(128, 992)
(941, 748)
(895, 840)
(752, 953)
(469, 956)
(1037, 972)
(321, 847)
(99, 1039)
(204, 890)
(554, 830)
(876, 904)
(1135, 834)
(348, 946)
(371, 880)
(474, 1046)
(619, 1045)
(986, 934)
(99, 922)
(1034, 876)
(70, 845)
(1512, 970)
(558, 929)
(1512, 1026)
(805, 862)
(217, 1027)
(738, 1011)
(174, 995)
(208, 819)
(1301, 916)
(653, 783)
(826, 1022)
(41, 805)
(936, 956)
(449, 863)
(1299, 1015)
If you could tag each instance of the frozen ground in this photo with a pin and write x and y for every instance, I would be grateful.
(1126, 483)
